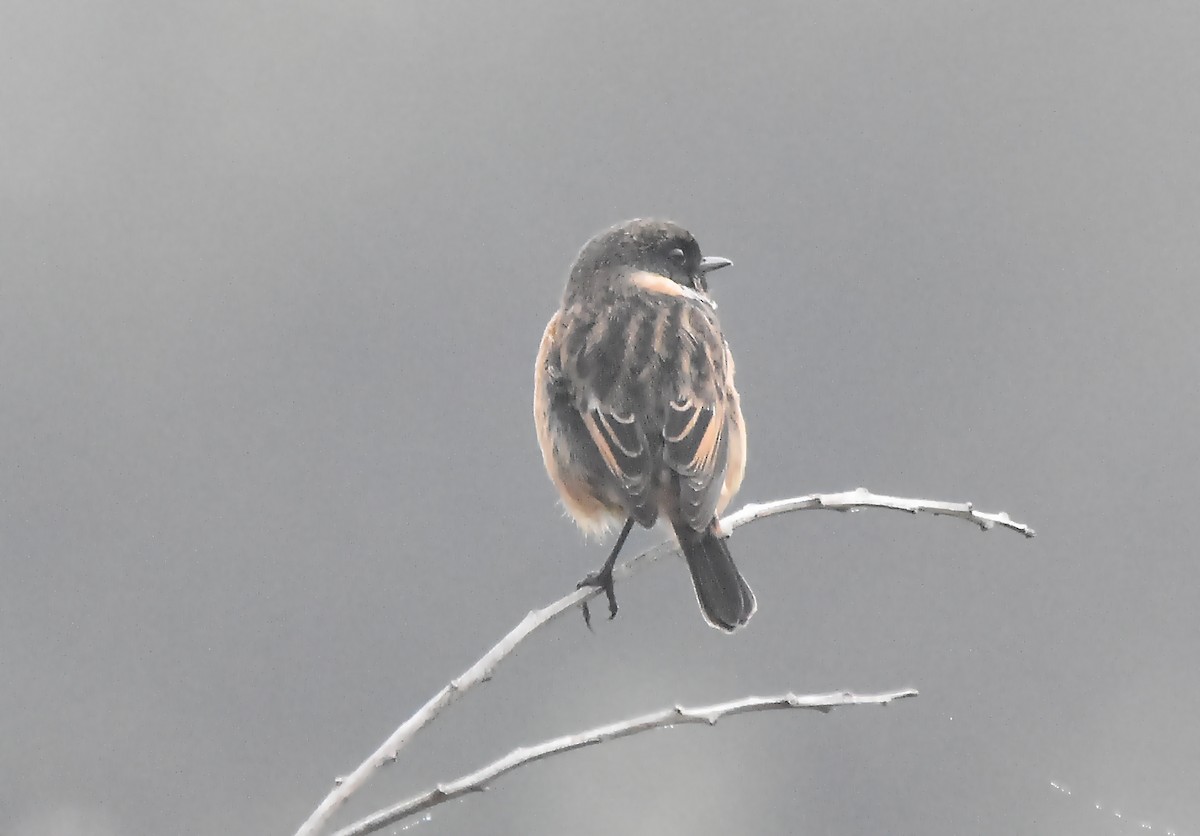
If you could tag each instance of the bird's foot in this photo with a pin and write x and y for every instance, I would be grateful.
(603, 580)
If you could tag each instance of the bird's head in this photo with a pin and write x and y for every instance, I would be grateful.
(650, 245)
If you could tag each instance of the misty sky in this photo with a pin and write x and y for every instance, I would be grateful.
(272, 277)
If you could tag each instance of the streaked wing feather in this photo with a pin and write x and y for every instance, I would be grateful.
(596, 358)
(696, 446)
(697, 430)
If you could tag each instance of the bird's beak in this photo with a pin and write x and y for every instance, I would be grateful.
(707, 265)
(713, 262)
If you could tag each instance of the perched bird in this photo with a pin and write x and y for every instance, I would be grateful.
(636, 412)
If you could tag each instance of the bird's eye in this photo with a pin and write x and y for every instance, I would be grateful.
(677, 256)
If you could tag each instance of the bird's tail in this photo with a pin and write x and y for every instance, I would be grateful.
(724, 596)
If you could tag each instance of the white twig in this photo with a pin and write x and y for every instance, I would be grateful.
(863, 498)
(479, 780)
(481, 671)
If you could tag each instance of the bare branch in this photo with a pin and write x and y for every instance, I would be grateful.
(479, 780)
(862, 498)
(481, 671)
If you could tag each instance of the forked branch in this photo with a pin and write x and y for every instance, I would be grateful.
(482, 670)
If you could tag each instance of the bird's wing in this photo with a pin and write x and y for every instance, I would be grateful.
(603, 361)
(696, 431)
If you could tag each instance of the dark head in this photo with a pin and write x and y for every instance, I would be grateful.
(647, 244)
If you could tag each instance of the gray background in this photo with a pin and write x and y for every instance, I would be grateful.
(271, 281)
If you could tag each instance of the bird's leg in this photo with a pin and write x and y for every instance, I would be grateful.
(604, 578)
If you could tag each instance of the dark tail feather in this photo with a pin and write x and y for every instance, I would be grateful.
(725, 598)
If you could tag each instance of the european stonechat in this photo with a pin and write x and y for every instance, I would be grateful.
(636, 412)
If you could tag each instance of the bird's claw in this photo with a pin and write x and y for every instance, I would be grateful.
(602, 580)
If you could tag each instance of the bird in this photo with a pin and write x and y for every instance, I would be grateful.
(635, 407)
